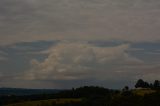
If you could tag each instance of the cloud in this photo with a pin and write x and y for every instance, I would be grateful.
(77, 61)
(66, 64)
(2, 53)
(149, 72)
(80, 20)
(32, 20)
(3, 56)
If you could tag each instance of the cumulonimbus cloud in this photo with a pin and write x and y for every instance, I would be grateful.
(70, 60)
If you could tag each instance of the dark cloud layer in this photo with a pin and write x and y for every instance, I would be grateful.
(31, 20)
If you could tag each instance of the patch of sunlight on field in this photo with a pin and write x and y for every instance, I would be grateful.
(50, 102)
(143, 92)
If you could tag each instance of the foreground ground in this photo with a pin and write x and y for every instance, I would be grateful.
(50, 102)
(91, 96)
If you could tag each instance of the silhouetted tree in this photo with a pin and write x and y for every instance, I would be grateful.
(126, 88)
(146, 85)
(142, 84)
(156, 84)
(151, 85)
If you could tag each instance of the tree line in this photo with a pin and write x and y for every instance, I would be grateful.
(143, 84)
(97, 96)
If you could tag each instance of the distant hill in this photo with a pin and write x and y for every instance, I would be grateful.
(21, 91)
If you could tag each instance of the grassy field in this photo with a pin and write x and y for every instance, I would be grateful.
(120, 97)
(142, 92)
(50, 102)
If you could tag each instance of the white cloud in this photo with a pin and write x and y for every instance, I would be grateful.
(70, 60)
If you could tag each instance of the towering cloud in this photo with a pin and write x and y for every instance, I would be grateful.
(68, 61)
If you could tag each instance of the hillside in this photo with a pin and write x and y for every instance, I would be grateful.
(92, 96)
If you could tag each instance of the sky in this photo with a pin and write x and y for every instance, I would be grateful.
(72, 43)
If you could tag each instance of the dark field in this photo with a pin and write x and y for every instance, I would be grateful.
(87, 96)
